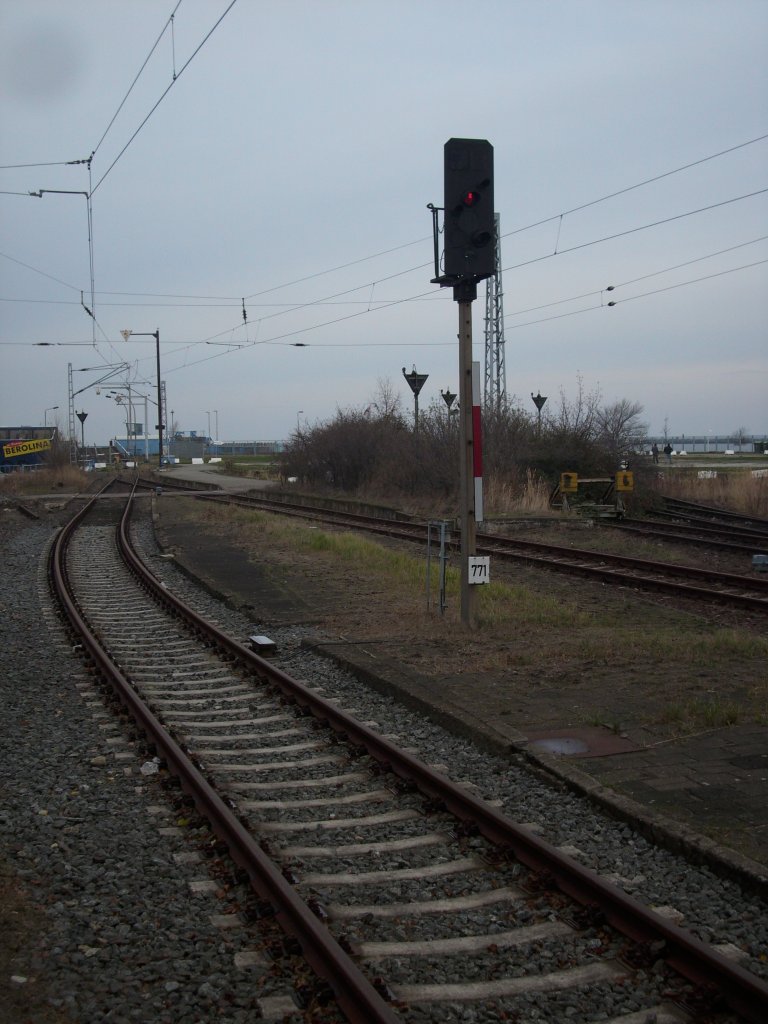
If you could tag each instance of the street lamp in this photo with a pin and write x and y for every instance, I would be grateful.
(298, 424)
(45, 414)
(156, 335)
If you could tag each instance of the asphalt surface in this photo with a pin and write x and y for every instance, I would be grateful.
(704, 795)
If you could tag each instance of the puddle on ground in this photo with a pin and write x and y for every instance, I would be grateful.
(589, 741)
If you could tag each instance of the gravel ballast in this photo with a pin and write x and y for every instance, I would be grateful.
(95, 879)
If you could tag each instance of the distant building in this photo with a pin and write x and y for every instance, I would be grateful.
(247, 447)
(25, 447)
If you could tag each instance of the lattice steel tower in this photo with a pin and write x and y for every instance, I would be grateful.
(495, 389)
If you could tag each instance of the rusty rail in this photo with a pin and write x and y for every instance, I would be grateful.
(743, 991)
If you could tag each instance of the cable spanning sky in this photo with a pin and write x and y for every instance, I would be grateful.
(252, 180)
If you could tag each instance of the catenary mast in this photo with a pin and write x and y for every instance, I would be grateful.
(495, 388)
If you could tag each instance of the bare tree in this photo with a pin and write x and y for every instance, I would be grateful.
(386, 404)
(619, 429)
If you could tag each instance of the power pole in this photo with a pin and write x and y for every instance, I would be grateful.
(71, 416)
(495, 389)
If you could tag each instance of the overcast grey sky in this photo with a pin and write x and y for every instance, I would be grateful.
(307, 135)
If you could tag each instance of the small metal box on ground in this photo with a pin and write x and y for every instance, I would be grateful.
(262, 645)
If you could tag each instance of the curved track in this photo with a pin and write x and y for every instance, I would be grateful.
(326, 820)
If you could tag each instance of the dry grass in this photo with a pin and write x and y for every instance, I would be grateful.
(554, 647)
(503, 497)
(740, 490)
(601, 635)
(44, 481)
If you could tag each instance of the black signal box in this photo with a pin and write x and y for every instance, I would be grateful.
(469, 220)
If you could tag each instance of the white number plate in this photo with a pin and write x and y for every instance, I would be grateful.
(479, 569)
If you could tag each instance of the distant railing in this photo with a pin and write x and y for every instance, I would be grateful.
(697, 443)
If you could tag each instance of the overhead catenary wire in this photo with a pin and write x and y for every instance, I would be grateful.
(419, 241)
(548, 256)
(236, 346)
(634, 280)
(280, 339)
(431, 294)
(138, 76)
(682, 284)
(516, 266)
(174, 80)
(515, 231)
(639, 184)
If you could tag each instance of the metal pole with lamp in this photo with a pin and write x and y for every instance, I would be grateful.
(45, 414)
(156, 335)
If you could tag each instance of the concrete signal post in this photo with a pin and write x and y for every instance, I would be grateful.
(469, 237)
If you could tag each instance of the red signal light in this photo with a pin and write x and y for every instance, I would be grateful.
(471, 198)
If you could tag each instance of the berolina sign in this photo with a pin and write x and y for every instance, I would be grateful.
(15, 448)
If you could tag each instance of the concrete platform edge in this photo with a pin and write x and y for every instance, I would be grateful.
(656, 827)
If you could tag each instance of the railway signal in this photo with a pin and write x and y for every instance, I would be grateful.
(469, 221)
(469, 237)
(416, 382)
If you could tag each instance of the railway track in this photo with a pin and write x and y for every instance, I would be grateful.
(735, 540)
(697, 514)
(407, 893)
(733, 589)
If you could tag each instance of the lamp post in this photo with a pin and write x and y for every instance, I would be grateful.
(298, 423)
(216, 422)
(45, 414)
(156, 335)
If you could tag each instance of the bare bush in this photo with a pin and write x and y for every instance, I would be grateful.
(376, 451)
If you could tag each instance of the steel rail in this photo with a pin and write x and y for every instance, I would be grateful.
(354, 992)
(701, 536)
(709, 512)
(570, 562)
(702, 526)
(694, 959)
(580, 561)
